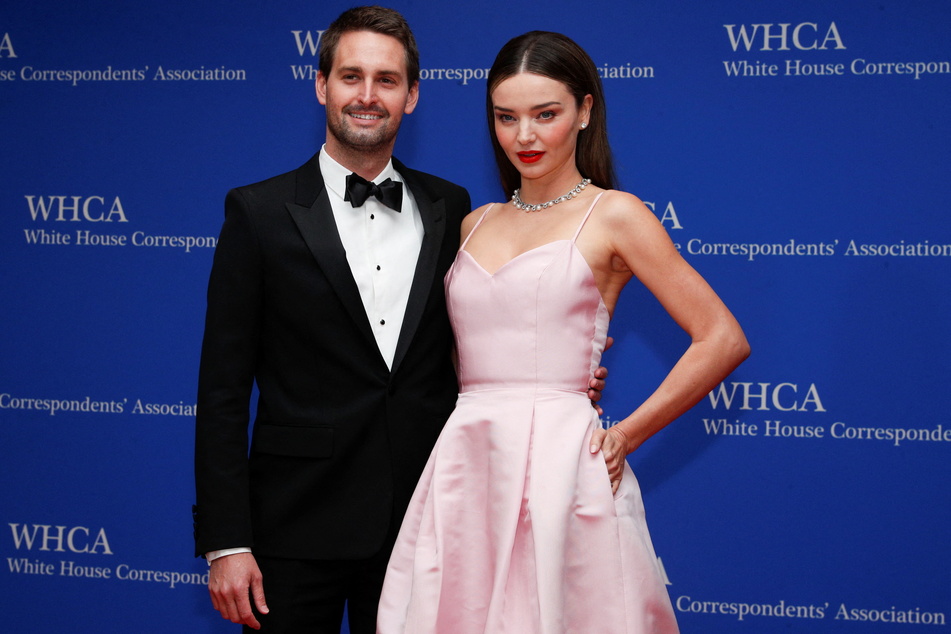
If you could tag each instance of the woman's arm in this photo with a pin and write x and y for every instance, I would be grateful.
(640, 245)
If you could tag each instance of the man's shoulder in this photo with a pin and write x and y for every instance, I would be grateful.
(455, 197)
(437, 181)
(282, 184)
(431, 181)
(286, 187)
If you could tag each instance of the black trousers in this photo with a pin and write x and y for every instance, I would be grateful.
(308, 597)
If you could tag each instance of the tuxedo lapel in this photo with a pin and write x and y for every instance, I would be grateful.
(433, 214)
(314, 218)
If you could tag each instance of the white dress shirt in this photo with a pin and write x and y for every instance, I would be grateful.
(382, 247)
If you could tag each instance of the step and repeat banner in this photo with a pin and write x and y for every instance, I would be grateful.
(798, 154)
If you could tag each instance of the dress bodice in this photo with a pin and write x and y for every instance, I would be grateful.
(538, 321)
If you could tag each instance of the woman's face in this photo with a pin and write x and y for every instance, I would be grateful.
(537, 123)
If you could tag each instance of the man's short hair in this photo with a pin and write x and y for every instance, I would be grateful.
(375, 19)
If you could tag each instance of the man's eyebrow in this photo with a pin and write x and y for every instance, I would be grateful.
(359, 69)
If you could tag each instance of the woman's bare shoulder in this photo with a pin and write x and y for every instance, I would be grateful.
(469, 222)
(620, 211)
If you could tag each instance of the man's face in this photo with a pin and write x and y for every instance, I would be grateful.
(366, 94)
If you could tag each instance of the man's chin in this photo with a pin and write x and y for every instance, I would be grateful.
(364, 142)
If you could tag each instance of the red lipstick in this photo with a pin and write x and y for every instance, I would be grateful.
(529, 157)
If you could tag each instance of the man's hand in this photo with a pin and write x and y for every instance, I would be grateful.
(230, 581)
(597, 383)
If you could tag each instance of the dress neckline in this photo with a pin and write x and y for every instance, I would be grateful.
(572, 240)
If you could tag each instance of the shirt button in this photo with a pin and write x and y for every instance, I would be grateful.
(377, 267)
(382, 322)
(372, 216)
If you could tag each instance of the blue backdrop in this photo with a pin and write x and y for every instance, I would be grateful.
(798, 154)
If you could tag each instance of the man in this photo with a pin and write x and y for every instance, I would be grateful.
(334, 306)
(336, 310)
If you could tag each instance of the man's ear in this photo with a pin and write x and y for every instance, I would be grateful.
(413, 98)
(320, 87)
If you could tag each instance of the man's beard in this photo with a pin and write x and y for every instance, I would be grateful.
(361, 140)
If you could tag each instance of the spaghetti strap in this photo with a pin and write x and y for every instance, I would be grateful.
(583, 220)
(481, 218)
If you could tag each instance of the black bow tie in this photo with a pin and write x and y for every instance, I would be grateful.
(388, 192)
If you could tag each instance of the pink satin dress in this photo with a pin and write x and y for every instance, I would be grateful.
(513, 527)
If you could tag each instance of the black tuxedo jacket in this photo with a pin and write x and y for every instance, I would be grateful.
(339, 440)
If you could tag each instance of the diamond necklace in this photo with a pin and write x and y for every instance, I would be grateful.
(517, 201)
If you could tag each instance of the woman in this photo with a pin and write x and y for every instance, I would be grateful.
(528, 517)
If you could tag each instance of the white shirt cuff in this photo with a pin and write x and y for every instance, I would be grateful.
(224, 552)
